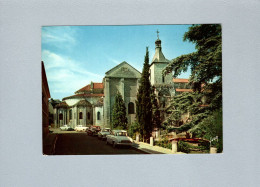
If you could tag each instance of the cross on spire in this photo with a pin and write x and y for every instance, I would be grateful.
(157, 33)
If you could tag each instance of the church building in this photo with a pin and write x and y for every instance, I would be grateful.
(93, 104)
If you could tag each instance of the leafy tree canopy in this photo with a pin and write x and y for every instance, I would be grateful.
(206, 79)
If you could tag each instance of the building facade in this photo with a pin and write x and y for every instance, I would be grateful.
(93, 104)
(84, 108)
(123, 79)
(45, 109)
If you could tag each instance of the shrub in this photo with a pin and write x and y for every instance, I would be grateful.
(211, 127)
(183, 147)
(165, 143)
(133, 128)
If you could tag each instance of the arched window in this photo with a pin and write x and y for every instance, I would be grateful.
(88, 115)
(131, 108)
(98, 115)
(61, 116)
(163, 78)
(70, 114)
(80, 115)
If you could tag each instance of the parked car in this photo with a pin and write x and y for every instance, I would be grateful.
(119, 137)
(93, 130)
(64, 127)
(80, 128)
(103, 133)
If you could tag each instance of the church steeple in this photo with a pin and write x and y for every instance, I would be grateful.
(158, 56)
(158, 41)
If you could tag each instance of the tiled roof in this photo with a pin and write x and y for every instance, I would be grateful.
(88, 87)
(183, 90)
(181, 80)
(98, 85)
(204, 105)
(83, 95)
(63, 104)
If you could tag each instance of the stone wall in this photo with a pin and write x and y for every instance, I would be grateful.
(156, 74)
(99, 122)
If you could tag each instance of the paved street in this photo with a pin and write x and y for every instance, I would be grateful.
(82, 144)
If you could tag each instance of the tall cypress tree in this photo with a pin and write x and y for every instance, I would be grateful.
(119, 119)
(156, 117)
(144, 101)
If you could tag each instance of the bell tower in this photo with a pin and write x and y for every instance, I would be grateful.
(159, 62)
(163, 85)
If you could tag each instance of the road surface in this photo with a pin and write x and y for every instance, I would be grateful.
(82, 144)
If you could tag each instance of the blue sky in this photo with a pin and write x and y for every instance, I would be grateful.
(76, 55)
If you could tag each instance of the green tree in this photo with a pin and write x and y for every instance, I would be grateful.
(156, 118)
(143, 103)
(133, 129)
(206, 78)
(119, 119)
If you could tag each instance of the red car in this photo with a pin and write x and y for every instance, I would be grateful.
(93, 130)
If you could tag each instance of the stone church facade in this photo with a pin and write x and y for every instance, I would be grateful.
(123, 79)
(93, 104)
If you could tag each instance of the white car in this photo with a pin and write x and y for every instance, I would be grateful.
(64, 127)
(119, 137)
(103, 133)
(80, 128)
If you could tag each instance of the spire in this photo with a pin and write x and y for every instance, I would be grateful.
(158, 41)
(158, 56)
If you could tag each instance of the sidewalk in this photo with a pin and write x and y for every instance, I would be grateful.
(49, 144)
(145, 147)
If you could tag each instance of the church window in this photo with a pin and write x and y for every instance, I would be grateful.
(70, 114)
(80, 115)
(88, 115)
(60, 116)
(163, 79)
(98, 115)
(131, 108)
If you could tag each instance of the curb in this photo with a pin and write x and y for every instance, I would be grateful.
(148, 151)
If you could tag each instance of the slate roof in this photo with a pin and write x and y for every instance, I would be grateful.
(159, 56)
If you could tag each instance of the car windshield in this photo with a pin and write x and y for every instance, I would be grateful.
(121, 134)
(106, 130)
